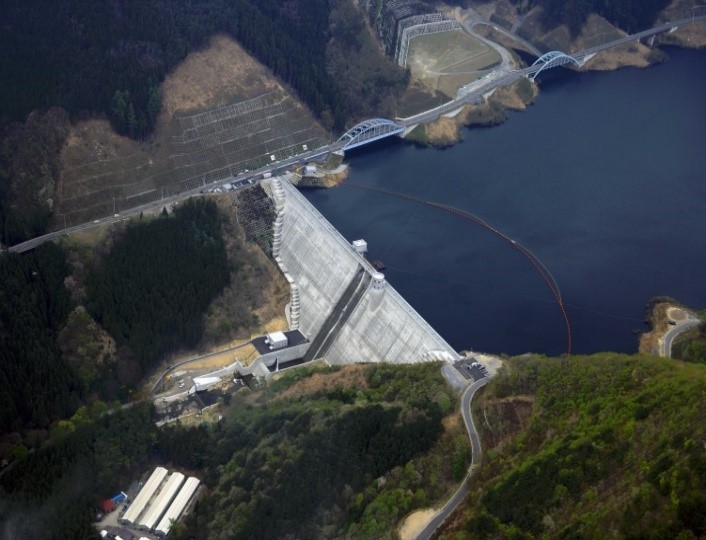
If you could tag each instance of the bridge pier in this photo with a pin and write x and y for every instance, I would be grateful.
(453, 113)
(586, 59)
(408, 130)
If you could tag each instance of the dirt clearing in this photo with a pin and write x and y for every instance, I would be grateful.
(215, 76)
(451, 421)
(415, 523)
(445, 61)
(492, 363)
(222, 359)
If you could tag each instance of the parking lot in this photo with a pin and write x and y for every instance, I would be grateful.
(470, 368)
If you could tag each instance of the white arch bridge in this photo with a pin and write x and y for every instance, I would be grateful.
(553, 59)
(369, 131)
(378, 128)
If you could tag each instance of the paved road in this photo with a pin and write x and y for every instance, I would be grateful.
(509, 78)
(474, 18)
(253, 175)
(196, 359)
(681, 326)
(470, 20)
(474, 96)
(451, 505)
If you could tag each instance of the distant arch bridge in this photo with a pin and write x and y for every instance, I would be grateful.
(553, 59)
(369, 131)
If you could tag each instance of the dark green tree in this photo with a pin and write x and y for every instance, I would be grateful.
(120, 110)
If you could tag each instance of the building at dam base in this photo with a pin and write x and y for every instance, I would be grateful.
(339, 301)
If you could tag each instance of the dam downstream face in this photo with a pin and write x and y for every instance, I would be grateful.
(604, 179)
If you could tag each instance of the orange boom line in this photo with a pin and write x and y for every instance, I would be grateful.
(531, 257)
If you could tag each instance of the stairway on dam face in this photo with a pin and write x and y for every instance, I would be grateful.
(339, 315)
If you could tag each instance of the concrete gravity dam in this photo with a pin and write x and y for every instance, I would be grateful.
(338, 300)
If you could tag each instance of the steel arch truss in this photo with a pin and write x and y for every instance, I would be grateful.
(553, 59)
(368, 131)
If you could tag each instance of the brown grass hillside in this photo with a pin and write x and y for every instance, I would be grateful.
(100, 168)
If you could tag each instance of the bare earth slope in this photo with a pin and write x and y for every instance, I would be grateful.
(102, 171)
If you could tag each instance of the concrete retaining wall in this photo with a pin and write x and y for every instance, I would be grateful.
(284, 355)
(383, 326)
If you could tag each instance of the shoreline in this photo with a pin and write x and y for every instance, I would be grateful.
(446, 132)
(663, 314)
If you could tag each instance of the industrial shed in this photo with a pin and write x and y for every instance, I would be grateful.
(160, 504)
(177, 507)
(143, 497)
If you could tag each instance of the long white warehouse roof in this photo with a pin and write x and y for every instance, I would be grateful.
(177, 507)
(145, 494)
(162, 501)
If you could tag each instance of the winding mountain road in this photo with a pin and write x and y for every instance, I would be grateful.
(665, 347)
(443, 514)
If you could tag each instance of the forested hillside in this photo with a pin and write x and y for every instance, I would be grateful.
(343, 461)
(111, 56)
(323, 452)
(29, 171)
(53, 492)
(611, 446)
(36, 387)
(151, 289)
(630, 15)
(693, 347)
(371, 82)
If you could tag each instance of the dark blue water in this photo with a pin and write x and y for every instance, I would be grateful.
(604, 179)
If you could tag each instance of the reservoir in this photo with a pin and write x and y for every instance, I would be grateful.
(603, 179)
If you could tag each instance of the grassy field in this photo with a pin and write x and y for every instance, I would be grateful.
(447, 60)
